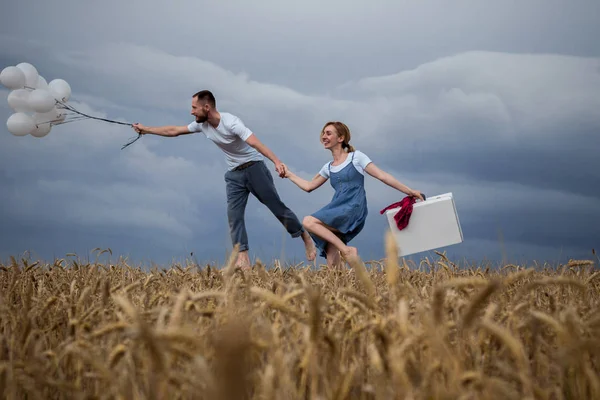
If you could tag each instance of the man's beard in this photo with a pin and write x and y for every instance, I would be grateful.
(201, 119)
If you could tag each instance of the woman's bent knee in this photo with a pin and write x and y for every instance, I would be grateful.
(309, 221)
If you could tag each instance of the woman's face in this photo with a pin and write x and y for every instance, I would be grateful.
(330, 137)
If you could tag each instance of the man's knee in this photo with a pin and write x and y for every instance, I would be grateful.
(235, 212)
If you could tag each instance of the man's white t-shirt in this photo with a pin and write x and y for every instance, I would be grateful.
(360, 161)
(230, 136)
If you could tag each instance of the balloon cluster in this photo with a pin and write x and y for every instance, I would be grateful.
(37, 104)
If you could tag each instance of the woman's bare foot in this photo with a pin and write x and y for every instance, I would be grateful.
(309, 246)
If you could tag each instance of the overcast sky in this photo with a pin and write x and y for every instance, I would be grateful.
(497, 102)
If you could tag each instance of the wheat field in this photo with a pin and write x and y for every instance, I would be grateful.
(377, 330)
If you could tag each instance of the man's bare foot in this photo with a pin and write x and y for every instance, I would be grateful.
(309, 246)
(350, 253)
(243, 261)
(243, 266)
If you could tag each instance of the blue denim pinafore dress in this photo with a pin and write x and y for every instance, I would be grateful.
(347, 211)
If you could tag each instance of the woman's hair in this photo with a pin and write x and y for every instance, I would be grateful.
(343, 131)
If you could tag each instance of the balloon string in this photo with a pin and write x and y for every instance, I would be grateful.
(60, 122)
(132, 141)
(70, 108)
(74, 119)
(84, 115)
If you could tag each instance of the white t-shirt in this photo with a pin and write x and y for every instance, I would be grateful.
(230, 136)
(360, 163)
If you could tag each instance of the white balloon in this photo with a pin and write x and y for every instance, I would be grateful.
(18, 100)
(41, 83)
(60, 89)
(47, 117)
(31, 74)
(41, 130)
(20, 124)
(41, 100)
(12, 77)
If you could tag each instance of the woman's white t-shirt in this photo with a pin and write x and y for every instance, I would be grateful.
(360, 161)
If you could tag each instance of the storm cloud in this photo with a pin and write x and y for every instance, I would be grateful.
(447, 99)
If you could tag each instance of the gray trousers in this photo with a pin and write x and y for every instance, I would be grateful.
(255, 179)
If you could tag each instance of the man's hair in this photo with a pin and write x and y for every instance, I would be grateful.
(206, 95)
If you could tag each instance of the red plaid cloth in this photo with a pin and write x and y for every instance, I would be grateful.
(403, 215)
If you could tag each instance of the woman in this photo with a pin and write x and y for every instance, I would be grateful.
(335, 225)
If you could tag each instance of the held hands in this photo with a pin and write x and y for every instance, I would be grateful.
(282, 170)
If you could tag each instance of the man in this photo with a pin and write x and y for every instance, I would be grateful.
(247, 172)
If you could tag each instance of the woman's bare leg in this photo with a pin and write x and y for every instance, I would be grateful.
(318, 228)
(333, 257)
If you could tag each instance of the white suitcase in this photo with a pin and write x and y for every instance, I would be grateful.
(433, 224)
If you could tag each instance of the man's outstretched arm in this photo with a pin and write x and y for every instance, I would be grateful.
(238, 127)
(253, 141)
(167, 130)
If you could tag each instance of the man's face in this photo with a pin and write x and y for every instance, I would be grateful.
(199, 110)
